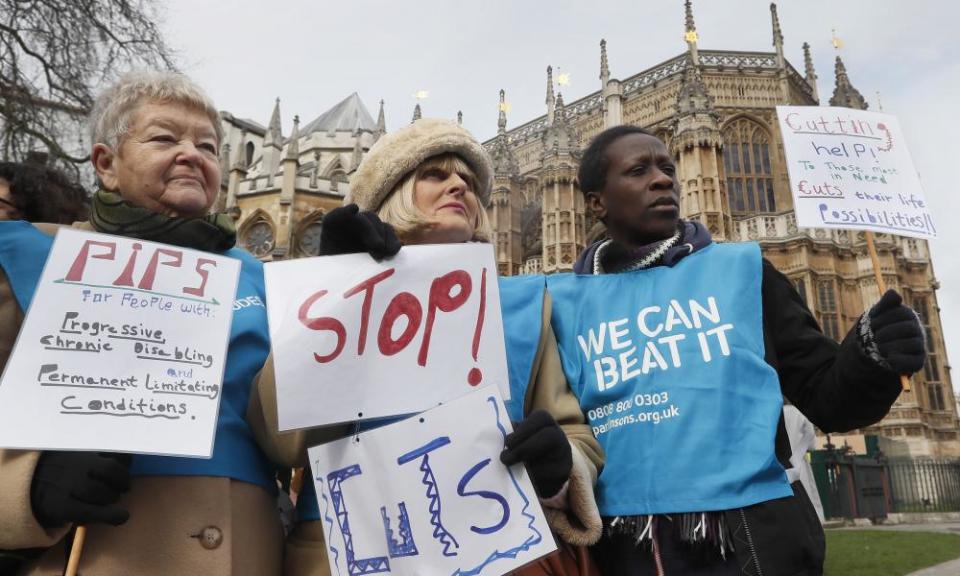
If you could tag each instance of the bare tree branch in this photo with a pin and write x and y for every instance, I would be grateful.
(55, 55)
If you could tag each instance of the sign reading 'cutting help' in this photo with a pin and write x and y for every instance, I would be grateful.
(122, 349)
(383, 338)
(851, 169)
(429, 495)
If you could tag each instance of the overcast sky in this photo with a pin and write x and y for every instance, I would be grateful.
(312, 54)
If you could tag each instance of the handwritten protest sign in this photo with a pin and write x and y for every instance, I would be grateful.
(122, 349)
(355, 339)
(428, 495)
(851, 169)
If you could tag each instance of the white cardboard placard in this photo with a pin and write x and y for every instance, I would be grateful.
(357, 339)
(429, 495)
(851, 169)
(122, 349)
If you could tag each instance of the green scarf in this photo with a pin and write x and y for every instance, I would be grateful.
(111, 214)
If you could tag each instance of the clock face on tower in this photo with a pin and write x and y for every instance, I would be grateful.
(259, 239)
(310, 239)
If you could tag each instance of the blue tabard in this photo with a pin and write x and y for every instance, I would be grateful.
(23, 252)
(668, 365)
(521, 307)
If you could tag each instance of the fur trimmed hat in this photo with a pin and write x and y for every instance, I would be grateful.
(397, 154)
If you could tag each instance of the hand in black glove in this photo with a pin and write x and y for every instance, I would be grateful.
(897, 334)
(80, 487)
(539, 442)
(346, 230)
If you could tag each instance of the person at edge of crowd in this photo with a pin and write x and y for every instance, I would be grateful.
(427, 184)
(803, 438)
(39, 194)
(155, 139)
(694, 481)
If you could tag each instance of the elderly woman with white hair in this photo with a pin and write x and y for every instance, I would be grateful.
(156, 138)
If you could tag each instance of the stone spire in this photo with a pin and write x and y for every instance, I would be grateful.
(559, 195)
(810, 74)
(357, 151)
(381, 124)
(690, 34)
(844, 94)
(237, 171)
(693, 96)
(781, 61)
(551, 101)
(611, 92)
(274, 133)
(240, 163)
(696, 144)
(272, 144)
(604, 65)
(288, 185)
(559, 137)
(502, 118)
(696, 125)
(224, 160)
(688, 20)
(293, 148)
(417, 114)
(227, 177)
(504, 162)
(777, 33)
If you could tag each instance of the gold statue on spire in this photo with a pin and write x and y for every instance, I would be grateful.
(835, 40)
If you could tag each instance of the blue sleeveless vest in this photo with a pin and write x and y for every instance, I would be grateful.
(521, 306)
(23, 252)
(668, 365)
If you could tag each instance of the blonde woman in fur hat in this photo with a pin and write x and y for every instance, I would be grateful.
(428, 184)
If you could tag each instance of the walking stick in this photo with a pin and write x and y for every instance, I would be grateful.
(882, 286)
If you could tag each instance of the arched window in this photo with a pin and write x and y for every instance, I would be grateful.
(931, 368)
(531, 230)
(309, 243)
(259, 239)
(249, 152)
(746, 158)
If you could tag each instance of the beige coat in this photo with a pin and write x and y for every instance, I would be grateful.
(178, 524)
(577, 522)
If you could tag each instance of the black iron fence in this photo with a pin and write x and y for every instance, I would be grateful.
(853, 486)
(925, 485)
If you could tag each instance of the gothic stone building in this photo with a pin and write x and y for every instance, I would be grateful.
(715, 109)
(280, 187)
(716, 112)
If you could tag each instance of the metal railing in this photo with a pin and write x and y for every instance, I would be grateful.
(924, 485)
(853, 486)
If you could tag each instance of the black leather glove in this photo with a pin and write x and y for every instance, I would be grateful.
(80, 487)
(539, 442)
(347, 230)
(897, 334)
